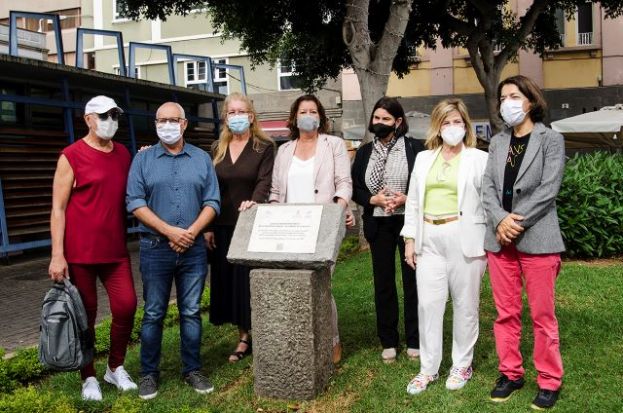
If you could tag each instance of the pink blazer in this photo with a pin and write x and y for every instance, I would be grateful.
(331, 171)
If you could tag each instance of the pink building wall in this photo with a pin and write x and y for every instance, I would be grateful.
(612, 49)
(442, 82)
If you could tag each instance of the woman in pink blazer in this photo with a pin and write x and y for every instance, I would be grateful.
(313, 168)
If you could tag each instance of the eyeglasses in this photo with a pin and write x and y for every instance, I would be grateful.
(113, 114)
(442, 174)
(164, 121)
(237, 112)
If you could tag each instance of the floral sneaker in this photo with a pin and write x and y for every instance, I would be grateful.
(420, 382)
(458, 377)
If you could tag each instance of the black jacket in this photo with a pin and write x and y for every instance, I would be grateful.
(361, 193)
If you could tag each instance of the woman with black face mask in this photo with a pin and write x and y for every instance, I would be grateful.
(380, 173)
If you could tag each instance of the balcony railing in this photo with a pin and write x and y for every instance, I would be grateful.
(585, 38)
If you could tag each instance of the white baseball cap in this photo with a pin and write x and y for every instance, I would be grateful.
(100, 104)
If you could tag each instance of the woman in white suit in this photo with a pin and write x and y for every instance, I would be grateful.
(444, 234)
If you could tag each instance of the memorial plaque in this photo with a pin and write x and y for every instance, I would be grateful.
(291, 228)
(303, 236)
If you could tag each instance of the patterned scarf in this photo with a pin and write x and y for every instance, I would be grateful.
(377, 175)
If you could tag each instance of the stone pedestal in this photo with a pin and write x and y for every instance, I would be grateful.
(292, 338)
(291, 308)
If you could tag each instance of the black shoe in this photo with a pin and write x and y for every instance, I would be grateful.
(147, 387)
(504, 387)
(545, 399)
(199, 382)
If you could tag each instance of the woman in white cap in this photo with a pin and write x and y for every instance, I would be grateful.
(88, 228)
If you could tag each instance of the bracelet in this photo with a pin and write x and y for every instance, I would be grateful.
(408, 239)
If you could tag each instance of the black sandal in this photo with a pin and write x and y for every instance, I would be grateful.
(239, 355)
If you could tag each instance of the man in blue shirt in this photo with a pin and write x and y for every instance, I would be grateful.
(173, 191)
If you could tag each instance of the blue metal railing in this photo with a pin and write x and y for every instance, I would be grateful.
(56, 23)
(132, 57)
(80, 32)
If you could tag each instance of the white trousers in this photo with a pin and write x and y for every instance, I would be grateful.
(442, 268)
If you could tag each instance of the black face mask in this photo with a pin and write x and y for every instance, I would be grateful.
(380, 130)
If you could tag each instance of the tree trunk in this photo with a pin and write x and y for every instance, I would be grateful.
(491, 100)
(373, 87)
(371, 61)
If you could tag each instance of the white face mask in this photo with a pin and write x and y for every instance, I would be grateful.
(169, 133)
(307, 123)
(512, 112)
(453, 135)
(106, 129)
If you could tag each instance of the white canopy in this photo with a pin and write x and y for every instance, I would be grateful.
(601, 128)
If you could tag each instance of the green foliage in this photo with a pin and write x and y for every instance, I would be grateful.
(21, 368)
(29, 400)
(349, 247)
(590, 205)
(127, 403)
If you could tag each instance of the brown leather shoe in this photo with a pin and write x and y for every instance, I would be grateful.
(337, 353)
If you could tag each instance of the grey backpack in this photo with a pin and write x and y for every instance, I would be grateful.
(65, 343)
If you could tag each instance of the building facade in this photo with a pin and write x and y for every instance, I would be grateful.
(582, 76)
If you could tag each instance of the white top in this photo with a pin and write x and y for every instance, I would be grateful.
(300, 188)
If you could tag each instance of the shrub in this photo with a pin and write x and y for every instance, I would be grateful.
(28, 400)
(590, 205)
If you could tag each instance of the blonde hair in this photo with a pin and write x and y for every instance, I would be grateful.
(440, 113)
(257, 134)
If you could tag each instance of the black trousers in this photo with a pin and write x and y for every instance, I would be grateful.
(383, 235)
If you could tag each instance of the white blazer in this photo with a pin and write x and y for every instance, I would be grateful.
(469, 186)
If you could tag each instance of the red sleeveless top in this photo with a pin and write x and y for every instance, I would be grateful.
(95, 218)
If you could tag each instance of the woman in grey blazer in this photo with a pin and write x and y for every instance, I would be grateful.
(523, 240)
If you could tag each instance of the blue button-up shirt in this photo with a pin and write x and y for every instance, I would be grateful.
(175, 187)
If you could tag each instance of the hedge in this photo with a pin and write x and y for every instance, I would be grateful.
(590, 205)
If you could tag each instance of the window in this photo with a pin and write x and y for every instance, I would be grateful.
(560, 24)
(70, 18)
(137, 71)
(220, 77)
(287, 76)
(196, 76)
(119, 11)
(585, 24)
(195, 72)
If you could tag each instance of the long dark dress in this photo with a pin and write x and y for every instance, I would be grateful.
(247, 179)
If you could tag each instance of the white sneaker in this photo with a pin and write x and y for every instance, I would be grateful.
(458, 377)
(388, 355)
(91, 390)
(120, 378)
(413, 353)
(420, 382)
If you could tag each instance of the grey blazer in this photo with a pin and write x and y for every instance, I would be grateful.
(536, 188)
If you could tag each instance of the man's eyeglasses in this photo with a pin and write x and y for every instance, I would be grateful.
(164, 121)
(113, 114)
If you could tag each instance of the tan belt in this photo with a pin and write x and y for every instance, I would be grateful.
(440, 221)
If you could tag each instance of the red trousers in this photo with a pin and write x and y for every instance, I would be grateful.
(117, 279)
(539, 271)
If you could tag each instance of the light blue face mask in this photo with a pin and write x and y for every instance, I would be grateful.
(307, 123)
(238, 123)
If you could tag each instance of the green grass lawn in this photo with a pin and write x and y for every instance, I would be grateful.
(589, 308)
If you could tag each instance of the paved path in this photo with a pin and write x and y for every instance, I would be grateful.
(23, 285)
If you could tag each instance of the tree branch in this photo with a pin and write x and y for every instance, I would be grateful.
(393, 32)
(527, 24)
